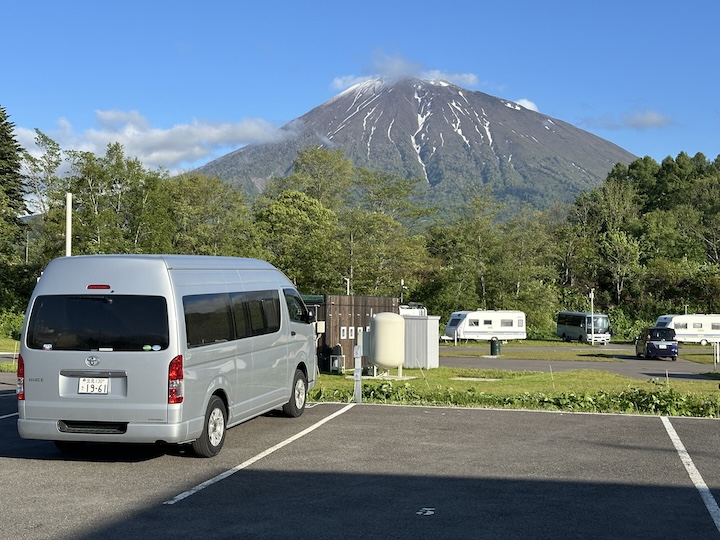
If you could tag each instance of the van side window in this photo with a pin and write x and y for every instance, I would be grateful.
(241, 315)
(213, 318)
(296, 307)
(263, 309)
(207, 319)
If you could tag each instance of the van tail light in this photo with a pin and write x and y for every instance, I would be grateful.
(176, 382)
(20, 379)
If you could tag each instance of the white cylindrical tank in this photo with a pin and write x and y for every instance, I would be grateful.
(387, 340)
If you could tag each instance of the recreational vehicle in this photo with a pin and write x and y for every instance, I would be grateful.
(583, 327)
(160, 349)
(694, 328)
(486, 325)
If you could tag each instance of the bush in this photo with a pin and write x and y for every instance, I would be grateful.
(625, 328)
(10, 324)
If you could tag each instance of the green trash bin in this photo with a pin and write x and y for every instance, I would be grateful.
(494, 347)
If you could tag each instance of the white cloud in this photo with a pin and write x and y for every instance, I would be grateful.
(462, 79)
(638, 120)
(530, 105)
(346, 81)
(395, 67)
(180, 147)
(645, 120)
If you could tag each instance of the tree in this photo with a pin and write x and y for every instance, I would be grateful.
(464, 250)
(41, 173)
(204, 216)
(378, 253)
(322, 174)
(12, 203)
(298, 236)
(621, 254)
(390, 194)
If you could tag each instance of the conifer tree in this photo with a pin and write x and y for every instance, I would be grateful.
(12, 204)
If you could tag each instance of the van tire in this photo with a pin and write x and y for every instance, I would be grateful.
(212, 438)
(298, 395)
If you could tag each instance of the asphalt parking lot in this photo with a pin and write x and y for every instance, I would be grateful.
(370, 471)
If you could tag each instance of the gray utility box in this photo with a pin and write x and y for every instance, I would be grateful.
(422, 336)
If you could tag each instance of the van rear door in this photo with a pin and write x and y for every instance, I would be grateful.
(97, 357)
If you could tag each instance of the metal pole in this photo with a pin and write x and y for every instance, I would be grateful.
(357, 373)
(68, 224)
(592, 316)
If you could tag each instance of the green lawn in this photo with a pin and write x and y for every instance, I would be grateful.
(506, 383)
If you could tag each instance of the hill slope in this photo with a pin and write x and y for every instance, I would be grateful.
(455, 139)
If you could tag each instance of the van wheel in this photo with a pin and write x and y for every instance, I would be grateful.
(213, 435)
(298, 396)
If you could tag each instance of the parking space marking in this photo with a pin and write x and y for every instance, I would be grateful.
(256, 458)
(8, 416)
(710, 502)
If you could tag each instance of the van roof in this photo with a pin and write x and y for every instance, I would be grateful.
(173, 261)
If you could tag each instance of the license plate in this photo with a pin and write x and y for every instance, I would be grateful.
(90, 385)
(663, 346)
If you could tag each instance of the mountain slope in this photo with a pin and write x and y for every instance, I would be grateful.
(455, 139)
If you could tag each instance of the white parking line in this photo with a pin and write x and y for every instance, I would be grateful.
(8, 416)
(710, 502)
(258, 457)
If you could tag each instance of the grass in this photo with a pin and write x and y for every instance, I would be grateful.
(507, 383)
(561, 352)
(11, 346)
(584, 390)
(697, 353)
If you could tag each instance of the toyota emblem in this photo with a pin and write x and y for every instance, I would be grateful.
(92, 361)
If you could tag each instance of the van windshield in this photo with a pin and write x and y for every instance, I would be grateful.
(98, 322)
(662, 334)
(602, 324)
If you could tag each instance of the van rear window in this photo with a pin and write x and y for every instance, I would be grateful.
(98, 322)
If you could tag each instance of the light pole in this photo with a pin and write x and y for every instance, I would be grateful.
(347, 286)
(402, 289)
(592, 316)
(68, 224)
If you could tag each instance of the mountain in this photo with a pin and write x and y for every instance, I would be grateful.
(455, 139)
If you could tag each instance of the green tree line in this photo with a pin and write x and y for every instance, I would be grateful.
(647, 241)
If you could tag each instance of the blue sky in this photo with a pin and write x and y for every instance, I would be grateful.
(179, 83)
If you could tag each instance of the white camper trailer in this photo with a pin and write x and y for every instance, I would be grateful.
(487, 325)
(701, 328)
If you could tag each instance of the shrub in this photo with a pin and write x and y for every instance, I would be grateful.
(10, 324)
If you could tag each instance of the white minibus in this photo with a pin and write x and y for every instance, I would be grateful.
(583, 327)
(160, 349)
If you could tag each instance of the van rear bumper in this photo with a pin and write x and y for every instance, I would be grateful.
(49, 430)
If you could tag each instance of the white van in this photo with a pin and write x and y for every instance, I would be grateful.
(160, 349)
(485, 325)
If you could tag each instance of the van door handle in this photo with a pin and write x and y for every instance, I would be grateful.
(292, 333)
